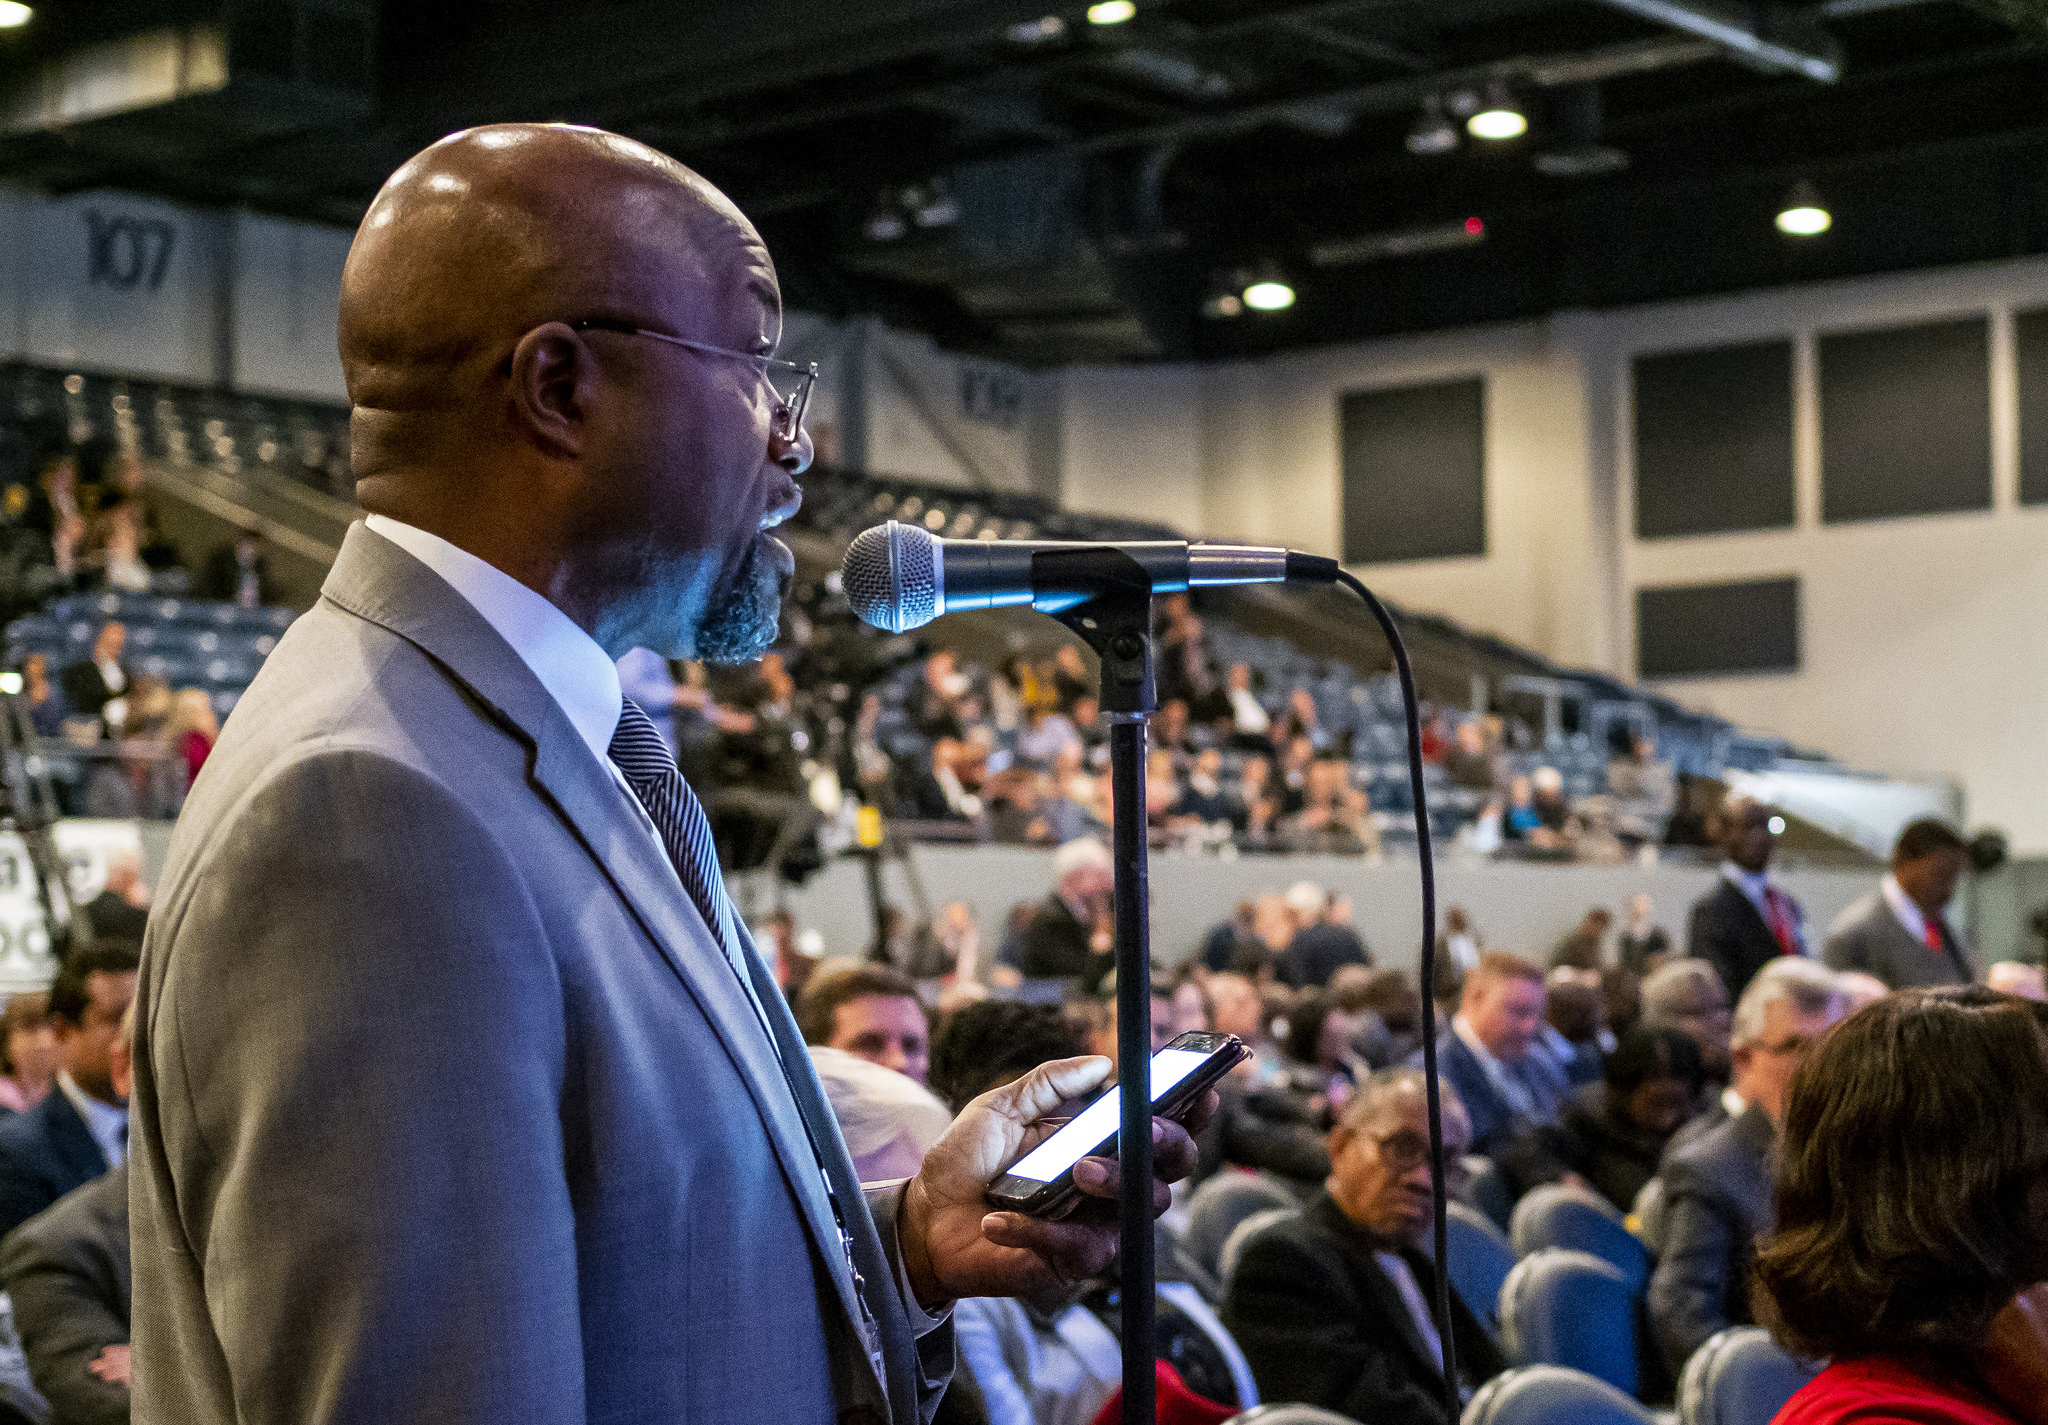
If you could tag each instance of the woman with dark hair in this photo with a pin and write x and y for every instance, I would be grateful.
(1612, 1133)
(1912, 1211)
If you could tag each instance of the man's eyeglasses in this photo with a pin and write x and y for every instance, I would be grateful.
(790, 380)
(1792, 1044)
(1406, 1150)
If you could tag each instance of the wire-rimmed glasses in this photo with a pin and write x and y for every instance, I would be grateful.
(790, 380)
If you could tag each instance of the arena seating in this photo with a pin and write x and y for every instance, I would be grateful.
(1554, 1395)
(188, 643)
(1740, 1377)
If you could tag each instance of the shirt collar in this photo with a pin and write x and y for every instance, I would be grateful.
(106, 1122)
(1909, 914)
(566, 660)
(1753, 884)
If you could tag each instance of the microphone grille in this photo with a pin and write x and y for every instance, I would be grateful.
(890, 576)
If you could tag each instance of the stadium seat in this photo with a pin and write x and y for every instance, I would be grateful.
(1233, 1245)
(1739, 1377)
(1480, 1259)
(1220, 1204)
(1487, 1190)
(1647, 1220)
(1573, 1218)
(1289, 1415)
(1553, 1395)
(1565, 1308)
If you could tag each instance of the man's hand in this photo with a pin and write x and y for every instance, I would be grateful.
(111, 1365)
(954, 1246)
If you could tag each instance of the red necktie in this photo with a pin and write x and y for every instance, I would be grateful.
(1934, 940)
(1781, 921)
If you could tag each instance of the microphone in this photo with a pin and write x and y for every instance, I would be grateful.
(901, 576)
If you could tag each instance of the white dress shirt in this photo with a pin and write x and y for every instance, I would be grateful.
(1756, 885)
(106, 1122)
(1909, 914)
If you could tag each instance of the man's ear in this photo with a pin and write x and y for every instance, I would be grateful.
(553, 382)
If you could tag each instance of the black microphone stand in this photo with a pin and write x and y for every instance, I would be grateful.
(1117, 624)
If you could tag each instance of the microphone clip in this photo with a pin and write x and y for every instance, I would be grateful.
(1116, 622)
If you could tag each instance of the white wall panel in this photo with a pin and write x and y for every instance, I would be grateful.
(285, 307)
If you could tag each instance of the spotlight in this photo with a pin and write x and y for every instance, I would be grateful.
(1433, 132)
(13, 14)
(1111, 12)
(1498, 118)
(1269, 293)
(1802, 214)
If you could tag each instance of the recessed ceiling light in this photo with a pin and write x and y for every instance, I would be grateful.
(13, 14)
(1033, 32)
(1499, 117)
(1269, 295)
(1802, 214)
(1111, 12)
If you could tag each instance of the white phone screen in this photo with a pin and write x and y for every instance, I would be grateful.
(1078, 1137)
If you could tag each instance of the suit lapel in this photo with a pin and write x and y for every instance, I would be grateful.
(376, 580)
(1372, 1281)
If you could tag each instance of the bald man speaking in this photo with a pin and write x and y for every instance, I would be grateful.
(461, 1093)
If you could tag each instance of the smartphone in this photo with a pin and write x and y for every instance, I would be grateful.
(1041, 1183)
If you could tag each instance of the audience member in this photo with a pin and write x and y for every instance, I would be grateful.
(1332, 1307)
(1221, 945)
(1586, 947)
(1547, 800)
(1389, 1010)
(46, 707)
(872, 1012)
(1612, 1134)
(66, 1272)
(1621, 992)
(239, 572)
(1249, 719)
(1717, 1185)
(889, 1120)
(1643, 944)
(1490, 1056)
(1321, 943)
(79, 1131)
(93, 683)
(1575, 1023)
(993, 1042)
(1910, 1238)
(1899, 933)
(1521, 822)
(1468, 763)
(1642, 790)
(1073, 937)
(192, 730)
(1745, 921)
(28, 1051)
(1457, 950)
(120, 910)
(1686, 995)
(1859, 989)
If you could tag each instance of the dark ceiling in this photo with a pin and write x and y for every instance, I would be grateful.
(1020, 182)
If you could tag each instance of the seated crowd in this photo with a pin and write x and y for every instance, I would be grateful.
(1623, 1073)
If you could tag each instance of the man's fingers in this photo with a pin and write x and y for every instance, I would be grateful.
(1173, 1151)
(1198, 1118)
(1049, 1085)
(1073, 1250)
(1103, 1178)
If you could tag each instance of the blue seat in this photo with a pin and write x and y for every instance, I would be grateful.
(1739, 1377)
(1487, 1189)
(1220, 1204)
(1480, 1260)
(1555, 1215)
(1564, 1308)
(1289, 1415)
(1552, 1395)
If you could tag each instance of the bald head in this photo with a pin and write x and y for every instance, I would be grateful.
(626, 478)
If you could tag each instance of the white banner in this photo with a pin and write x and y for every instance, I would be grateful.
(84, 846)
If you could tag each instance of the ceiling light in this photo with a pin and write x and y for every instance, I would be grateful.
(1222, 305)
(13, 14)
(1269, 294)
(1111, 12)
(1433, 132)
(1802, 214)
(1037, 32)
(1498, 118)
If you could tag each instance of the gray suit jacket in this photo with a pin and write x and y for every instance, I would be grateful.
(66, 1271)
(1717, 1203)
(1868, 937)
(447, 1105)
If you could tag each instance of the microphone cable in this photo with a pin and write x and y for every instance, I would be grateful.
(1313, 568)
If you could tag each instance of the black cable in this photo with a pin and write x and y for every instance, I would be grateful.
(1315, 568)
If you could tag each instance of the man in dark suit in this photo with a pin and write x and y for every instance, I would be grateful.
(93, 682)
(66, 1271)
(239, 573)
(1491, 1055)
(1900, 932)
(80, 1129)
(461, 1091)
(1322, 945)
(117, 911)
(1744, 922)
(1717, 1186)
(1332, 1307)
(1069, 937)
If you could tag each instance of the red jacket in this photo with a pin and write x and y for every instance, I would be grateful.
(1881, 1391)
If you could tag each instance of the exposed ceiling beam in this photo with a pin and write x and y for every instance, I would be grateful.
(1784, 47)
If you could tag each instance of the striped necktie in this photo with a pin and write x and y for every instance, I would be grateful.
(641, 755)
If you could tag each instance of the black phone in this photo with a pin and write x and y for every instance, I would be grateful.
(1041, 1182)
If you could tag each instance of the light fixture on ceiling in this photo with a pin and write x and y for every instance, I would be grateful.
(13, 14)
(1223, 301)
(1499, 117)
(1111, 12)
(1802, 214)
(1577, 116)
(1433, 132)
(1268, 290)
(884, 222)
(1037, 32)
